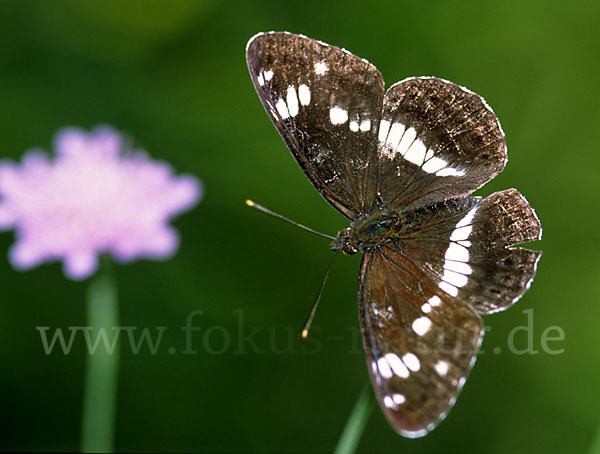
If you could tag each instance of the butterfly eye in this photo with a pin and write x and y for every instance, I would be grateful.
(349, 249)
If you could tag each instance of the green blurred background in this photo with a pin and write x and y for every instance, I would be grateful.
(173, 75)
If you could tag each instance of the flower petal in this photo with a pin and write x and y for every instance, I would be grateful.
(10, 178)
(70, 142)
(186, 192)
(7, 217)
(24, 255)
(162, 243)
(80, 265)
(106, 141)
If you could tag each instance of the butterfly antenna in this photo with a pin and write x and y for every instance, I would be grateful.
(258, 207)
(314, 308)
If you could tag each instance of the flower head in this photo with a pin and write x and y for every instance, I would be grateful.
(96, 196)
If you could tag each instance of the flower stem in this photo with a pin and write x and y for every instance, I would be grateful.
(356, 422)
(100, 386)
(595, 447)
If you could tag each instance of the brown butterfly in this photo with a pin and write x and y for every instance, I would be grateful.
(400, 165)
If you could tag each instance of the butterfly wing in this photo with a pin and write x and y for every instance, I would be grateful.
(436, 140)
(326, 105)
(464, 245)
(420, 343)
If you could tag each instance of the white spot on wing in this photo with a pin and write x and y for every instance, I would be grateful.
(407, 139)
(393, 400)
(414, 433)
(365, 125)
(459, 267)
(260, 79)
(396, 133)
(454, 278)
(456, 268)
(353, 126)
(399, 398)
(450, 172)
(416, 152)
(426, 308)
(292, 101)
(441, 367)
(384, 368)
(434, 164)
(411, 361)
(389, 402)
(281, 107)
(397, 365)
(321, 68)
(435, 300)
(468, 219)
(304, 94)
(268, 75)
(421, 325)
(457, 253)
(384, 127)
(448, 288)
(338, 116)
(461, 233)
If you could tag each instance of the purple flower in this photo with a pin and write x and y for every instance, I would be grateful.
(96, 196)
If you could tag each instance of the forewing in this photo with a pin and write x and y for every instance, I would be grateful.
(326, 105)
(465, 247)
(419, 342)
(436, 140)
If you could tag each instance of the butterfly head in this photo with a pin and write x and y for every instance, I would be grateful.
(346, 241)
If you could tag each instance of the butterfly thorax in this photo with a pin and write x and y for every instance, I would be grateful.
(369, 232)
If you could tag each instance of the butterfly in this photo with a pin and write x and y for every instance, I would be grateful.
(400, 165)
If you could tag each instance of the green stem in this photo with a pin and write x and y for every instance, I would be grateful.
(102, 366)
(595, 447)
(356, 422)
